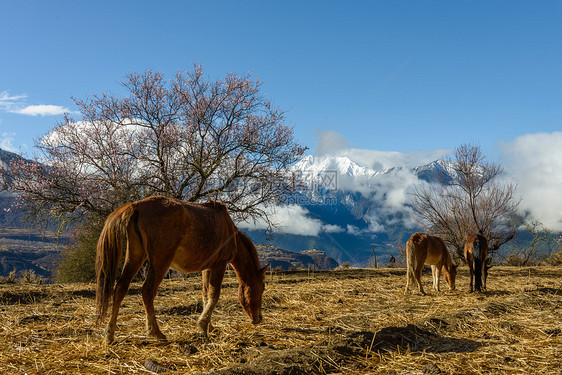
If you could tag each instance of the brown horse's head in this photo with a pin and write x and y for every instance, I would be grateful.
(450, 274)
(250, 294)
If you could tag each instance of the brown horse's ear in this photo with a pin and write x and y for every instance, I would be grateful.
(264, 269)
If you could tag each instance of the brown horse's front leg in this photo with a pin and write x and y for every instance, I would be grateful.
(212, 280)
(484, 276)
(205, 289)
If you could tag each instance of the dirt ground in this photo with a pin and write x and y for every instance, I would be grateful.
(347, 321)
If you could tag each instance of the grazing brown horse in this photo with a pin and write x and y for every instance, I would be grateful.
(184, 236)
(423, 249)
(476, 254)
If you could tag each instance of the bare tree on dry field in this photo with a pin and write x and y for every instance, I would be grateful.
(469, 199)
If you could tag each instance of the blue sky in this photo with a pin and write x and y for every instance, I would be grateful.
(385, 75)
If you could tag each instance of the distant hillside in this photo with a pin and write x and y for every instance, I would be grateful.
(22, 247)
(6, 156)
(29, 249)
(10, 216)
(288, 260)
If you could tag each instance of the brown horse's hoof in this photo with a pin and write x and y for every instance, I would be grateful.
(205, 329)
(109, 337)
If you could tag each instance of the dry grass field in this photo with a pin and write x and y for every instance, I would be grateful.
(348, 321)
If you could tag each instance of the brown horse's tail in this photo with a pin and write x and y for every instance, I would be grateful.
(108, 255)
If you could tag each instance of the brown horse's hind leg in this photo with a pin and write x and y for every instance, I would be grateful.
(418, 273)
(212, 280)
(410, 279)
(149, 289)
(132, 265)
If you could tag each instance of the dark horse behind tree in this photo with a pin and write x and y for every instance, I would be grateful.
(184, 236)
(476, 254)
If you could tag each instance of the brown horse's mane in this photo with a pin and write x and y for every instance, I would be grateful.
(248, 246)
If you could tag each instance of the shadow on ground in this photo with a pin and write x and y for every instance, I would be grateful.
(341, 349)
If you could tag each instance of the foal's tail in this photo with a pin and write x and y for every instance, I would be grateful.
(477, 253)
(108, 256)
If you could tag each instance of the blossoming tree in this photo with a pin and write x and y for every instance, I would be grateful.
(184, 137)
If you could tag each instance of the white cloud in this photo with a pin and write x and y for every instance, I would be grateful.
(330, 142)
(7, 141)
(329, 228)
(373, 227)
(353, 230)
(535, 162)
(16, 104)
(291, 219)
(42, 110)
(9, 102)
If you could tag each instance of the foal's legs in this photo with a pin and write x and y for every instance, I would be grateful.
(409, 276)
(134, 259)
(436, 273)
(212, 280)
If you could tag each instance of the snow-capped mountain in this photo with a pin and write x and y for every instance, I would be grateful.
(351, 209)
(311, 167)
(315, 165)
